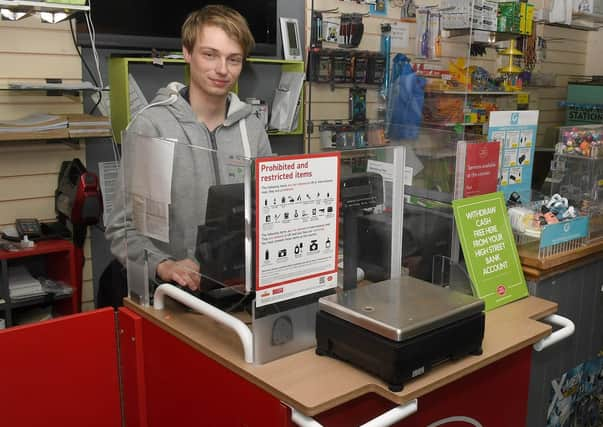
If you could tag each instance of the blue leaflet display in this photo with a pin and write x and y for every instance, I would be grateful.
(565, 231)
(516, 132)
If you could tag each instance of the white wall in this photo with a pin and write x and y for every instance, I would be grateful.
(594, 53)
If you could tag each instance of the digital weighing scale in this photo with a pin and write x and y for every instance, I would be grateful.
(399, 329)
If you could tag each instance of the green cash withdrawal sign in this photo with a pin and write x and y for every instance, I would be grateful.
(489, 249)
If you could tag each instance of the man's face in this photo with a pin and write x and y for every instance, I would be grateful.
(215, 62)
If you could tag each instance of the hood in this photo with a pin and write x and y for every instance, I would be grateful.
(181, 109)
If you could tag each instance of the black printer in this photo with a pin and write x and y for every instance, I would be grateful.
(399, 329)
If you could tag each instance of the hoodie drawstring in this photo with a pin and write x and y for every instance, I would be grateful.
(244, 138)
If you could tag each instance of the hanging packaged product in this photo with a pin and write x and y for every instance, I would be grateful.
(324, 66)
(360, 67)
(341, 60)
(376, 68)
(357, 104)
(376, 134)
(423, 37)
(327, 135)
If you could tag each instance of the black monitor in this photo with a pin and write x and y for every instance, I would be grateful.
(146, 24)
(220, 247)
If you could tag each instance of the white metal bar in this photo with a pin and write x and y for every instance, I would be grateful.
(248, 254)
(397, 209)
(393, 415)
(302, 420)
(384, 420)
(209, 310)
(567, 330)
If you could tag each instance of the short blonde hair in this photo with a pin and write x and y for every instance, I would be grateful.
(224, 17)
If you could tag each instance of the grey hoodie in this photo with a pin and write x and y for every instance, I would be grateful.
(194, 170)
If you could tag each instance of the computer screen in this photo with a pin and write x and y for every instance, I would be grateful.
(220, 247)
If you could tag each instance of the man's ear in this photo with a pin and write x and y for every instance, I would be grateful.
(187, 54)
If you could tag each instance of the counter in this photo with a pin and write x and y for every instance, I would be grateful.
(313, 385)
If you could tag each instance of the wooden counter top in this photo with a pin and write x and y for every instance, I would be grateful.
(313, 384)
(540, 269)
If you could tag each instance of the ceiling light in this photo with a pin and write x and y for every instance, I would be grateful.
(53, 17)
(10, 15)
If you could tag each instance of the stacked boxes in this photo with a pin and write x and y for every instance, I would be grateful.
(505, 17)
(477, 14)
(489, 16)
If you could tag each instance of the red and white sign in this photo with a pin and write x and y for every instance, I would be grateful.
(297, 211)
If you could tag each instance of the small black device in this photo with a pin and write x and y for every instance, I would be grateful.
(29, 227)
(358, 192)
(361, 190)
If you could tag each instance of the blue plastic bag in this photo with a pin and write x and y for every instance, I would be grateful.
(405, 100)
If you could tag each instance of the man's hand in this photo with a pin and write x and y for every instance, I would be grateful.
(184, 272)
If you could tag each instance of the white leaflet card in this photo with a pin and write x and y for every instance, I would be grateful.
(151, 218)
(400, 35)
(150, 165)
(108, 174)
(386, 171)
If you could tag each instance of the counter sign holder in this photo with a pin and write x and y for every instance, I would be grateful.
(297, 225)
(489, 249)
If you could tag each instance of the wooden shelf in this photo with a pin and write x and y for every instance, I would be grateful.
(55, 134)
(76, 126)
(41, 248)
(464, 32)
(590, 17)
(574, 26)
(61, 263)
(50, 88)
(476, 92)
(41, 299)
(452, 124)
(534, 266)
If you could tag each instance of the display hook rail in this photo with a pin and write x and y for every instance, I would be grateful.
(231, 322)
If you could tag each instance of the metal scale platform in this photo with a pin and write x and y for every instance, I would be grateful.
(399, 329)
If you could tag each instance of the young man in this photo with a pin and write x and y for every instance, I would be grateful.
(208, 123)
